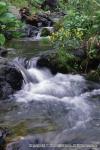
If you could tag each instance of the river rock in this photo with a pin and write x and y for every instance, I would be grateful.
(5, 89)
(37, 20)
(51, 4)
(50, 60)
(29, 31)
(10, 79)
(79, 53)
(3, 52)
(3, 134)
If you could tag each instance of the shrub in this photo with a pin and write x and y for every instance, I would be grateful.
(79, 27)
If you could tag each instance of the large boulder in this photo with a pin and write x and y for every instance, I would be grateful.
(53, 61)
(10, 79)
(50, 60)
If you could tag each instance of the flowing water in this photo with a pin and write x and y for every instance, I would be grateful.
(29, 46)
(54, 109)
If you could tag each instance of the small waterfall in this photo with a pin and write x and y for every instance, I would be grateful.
(23, 71)
(21, 65)
(38, 35)
(30, 72)
(32, 62)
(50, 29)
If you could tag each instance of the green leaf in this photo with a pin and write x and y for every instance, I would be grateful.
(7, 17)
(3, 7)
(2, 39)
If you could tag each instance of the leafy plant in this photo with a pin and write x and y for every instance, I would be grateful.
(9, 24)
(78, 29)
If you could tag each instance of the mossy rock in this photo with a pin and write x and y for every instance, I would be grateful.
(45, 32)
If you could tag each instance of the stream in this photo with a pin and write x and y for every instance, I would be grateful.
(52, 109)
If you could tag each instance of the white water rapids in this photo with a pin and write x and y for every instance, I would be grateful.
(70, 90)
(54, 109)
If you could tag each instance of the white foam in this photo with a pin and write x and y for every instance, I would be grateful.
(68, 89)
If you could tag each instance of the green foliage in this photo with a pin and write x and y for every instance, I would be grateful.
(8, 23)
(80, 26)
(7, 18)
(3, 7)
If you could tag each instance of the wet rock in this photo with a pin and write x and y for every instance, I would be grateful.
(3, 134)
(50, 60)
(37, 20)
(45, 20)
(13, 77)
(3, 52)
(29, 31)
(51, 4)
(80, 53)
(10, 79)
(5, 89)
